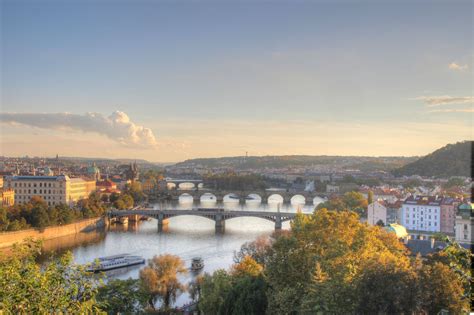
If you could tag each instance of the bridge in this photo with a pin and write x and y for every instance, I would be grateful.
(240, 196)
(219, 216)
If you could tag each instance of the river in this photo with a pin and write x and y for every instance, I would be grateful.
(186, 237)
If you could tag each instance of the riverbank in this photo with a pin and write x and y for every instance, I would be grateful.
(7, 239)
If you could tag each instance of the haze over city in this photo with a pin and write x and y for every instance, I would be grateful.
(169, 81)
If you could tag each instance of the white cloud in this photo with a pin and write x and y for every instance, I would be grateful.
(456, 67)
(431, 101)
(453, 110)
(117, 126)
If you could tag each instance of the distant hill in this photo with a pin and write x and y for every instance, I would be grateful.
(363, 163)
(451, 160)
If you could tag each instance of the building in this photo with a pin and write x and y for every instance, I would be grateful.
(422, 213)
(53, 189)
(394, 211)
(132, 173)
(464, 223)
(7, 197)
(376, 212)
(332, 188)
(448, 215)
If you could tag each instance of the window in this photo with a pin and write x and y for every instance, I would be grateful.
(465, 226)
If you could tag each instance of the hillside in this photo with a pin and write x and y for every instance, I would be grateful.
(451, 160)
(261, 162)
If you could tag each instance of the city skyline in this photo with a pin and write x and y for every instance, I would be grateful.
(172, 81)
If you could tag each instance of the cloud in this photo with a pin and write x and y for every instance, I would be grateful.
(455, 110)
(456, 67)
(117, 126)
(431, 101)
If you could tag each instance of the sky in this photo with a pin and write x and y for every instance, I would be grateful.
(172, 80)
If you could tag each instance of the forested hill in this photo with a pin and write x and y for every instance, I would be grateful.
(451, 160)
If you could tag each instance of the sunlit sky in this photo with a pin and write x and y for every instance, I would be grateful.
(172, 80)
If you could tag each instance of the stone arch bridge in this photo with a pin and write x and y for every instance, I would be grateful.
(218, 215)
(220, 194)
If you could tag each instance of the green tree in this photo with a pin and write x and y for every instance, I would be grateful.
(160, 279)
(214, 289)
(246, 297)
(122, 296)
(370, 197)
(58, 287)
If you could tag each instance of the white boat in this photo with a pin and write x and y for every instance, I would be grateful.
(114, 262)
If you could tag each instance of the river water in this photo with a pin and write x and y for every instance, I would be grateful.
(186, 236)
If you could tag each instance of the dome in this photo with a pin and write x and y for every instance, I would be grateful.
(399, 230)
(465, 207)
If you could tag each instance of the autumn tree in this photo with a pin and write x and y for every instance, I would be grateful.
(58, 287)
(160, 279)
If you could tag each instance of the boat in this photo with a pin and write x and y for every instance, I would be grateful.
(197, 264)
(114, 262)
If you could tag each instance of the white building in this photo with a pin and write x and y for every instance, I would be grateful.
(465, 224)
(53, 189)
(376, 212)
(422, 213)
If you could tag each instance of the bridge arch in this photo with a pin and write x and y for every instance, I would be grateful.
(208, 198)
(170, 186)
(298, 200)
(186, 186)
(185, 198)
(275, 199)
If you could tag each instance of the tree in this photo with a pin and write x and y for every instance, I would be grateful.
(246, 297)
(441, 289)
(122, 296)
(134, 189)
(342, 246)
(160, 279)
(255, 249)
(214, 289)
(370, 197)
(58, 287)
(246, 267)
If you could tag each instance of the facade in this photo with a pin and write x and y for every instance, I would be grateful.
(448, 215)
(422, 213)
(465, 224)
(376, 212)
(394, 212)
(7, 197)
(53, 189)
(332, 188)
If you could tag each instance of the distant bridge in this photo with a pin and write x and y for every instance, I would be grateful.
(219, 216)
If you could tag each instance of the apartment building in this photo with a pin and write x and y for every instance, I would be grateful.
(53, 189)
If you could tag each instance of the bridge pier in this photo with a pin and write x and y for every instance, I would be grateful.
(162, 223)
(278, 224)
(220, 224)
